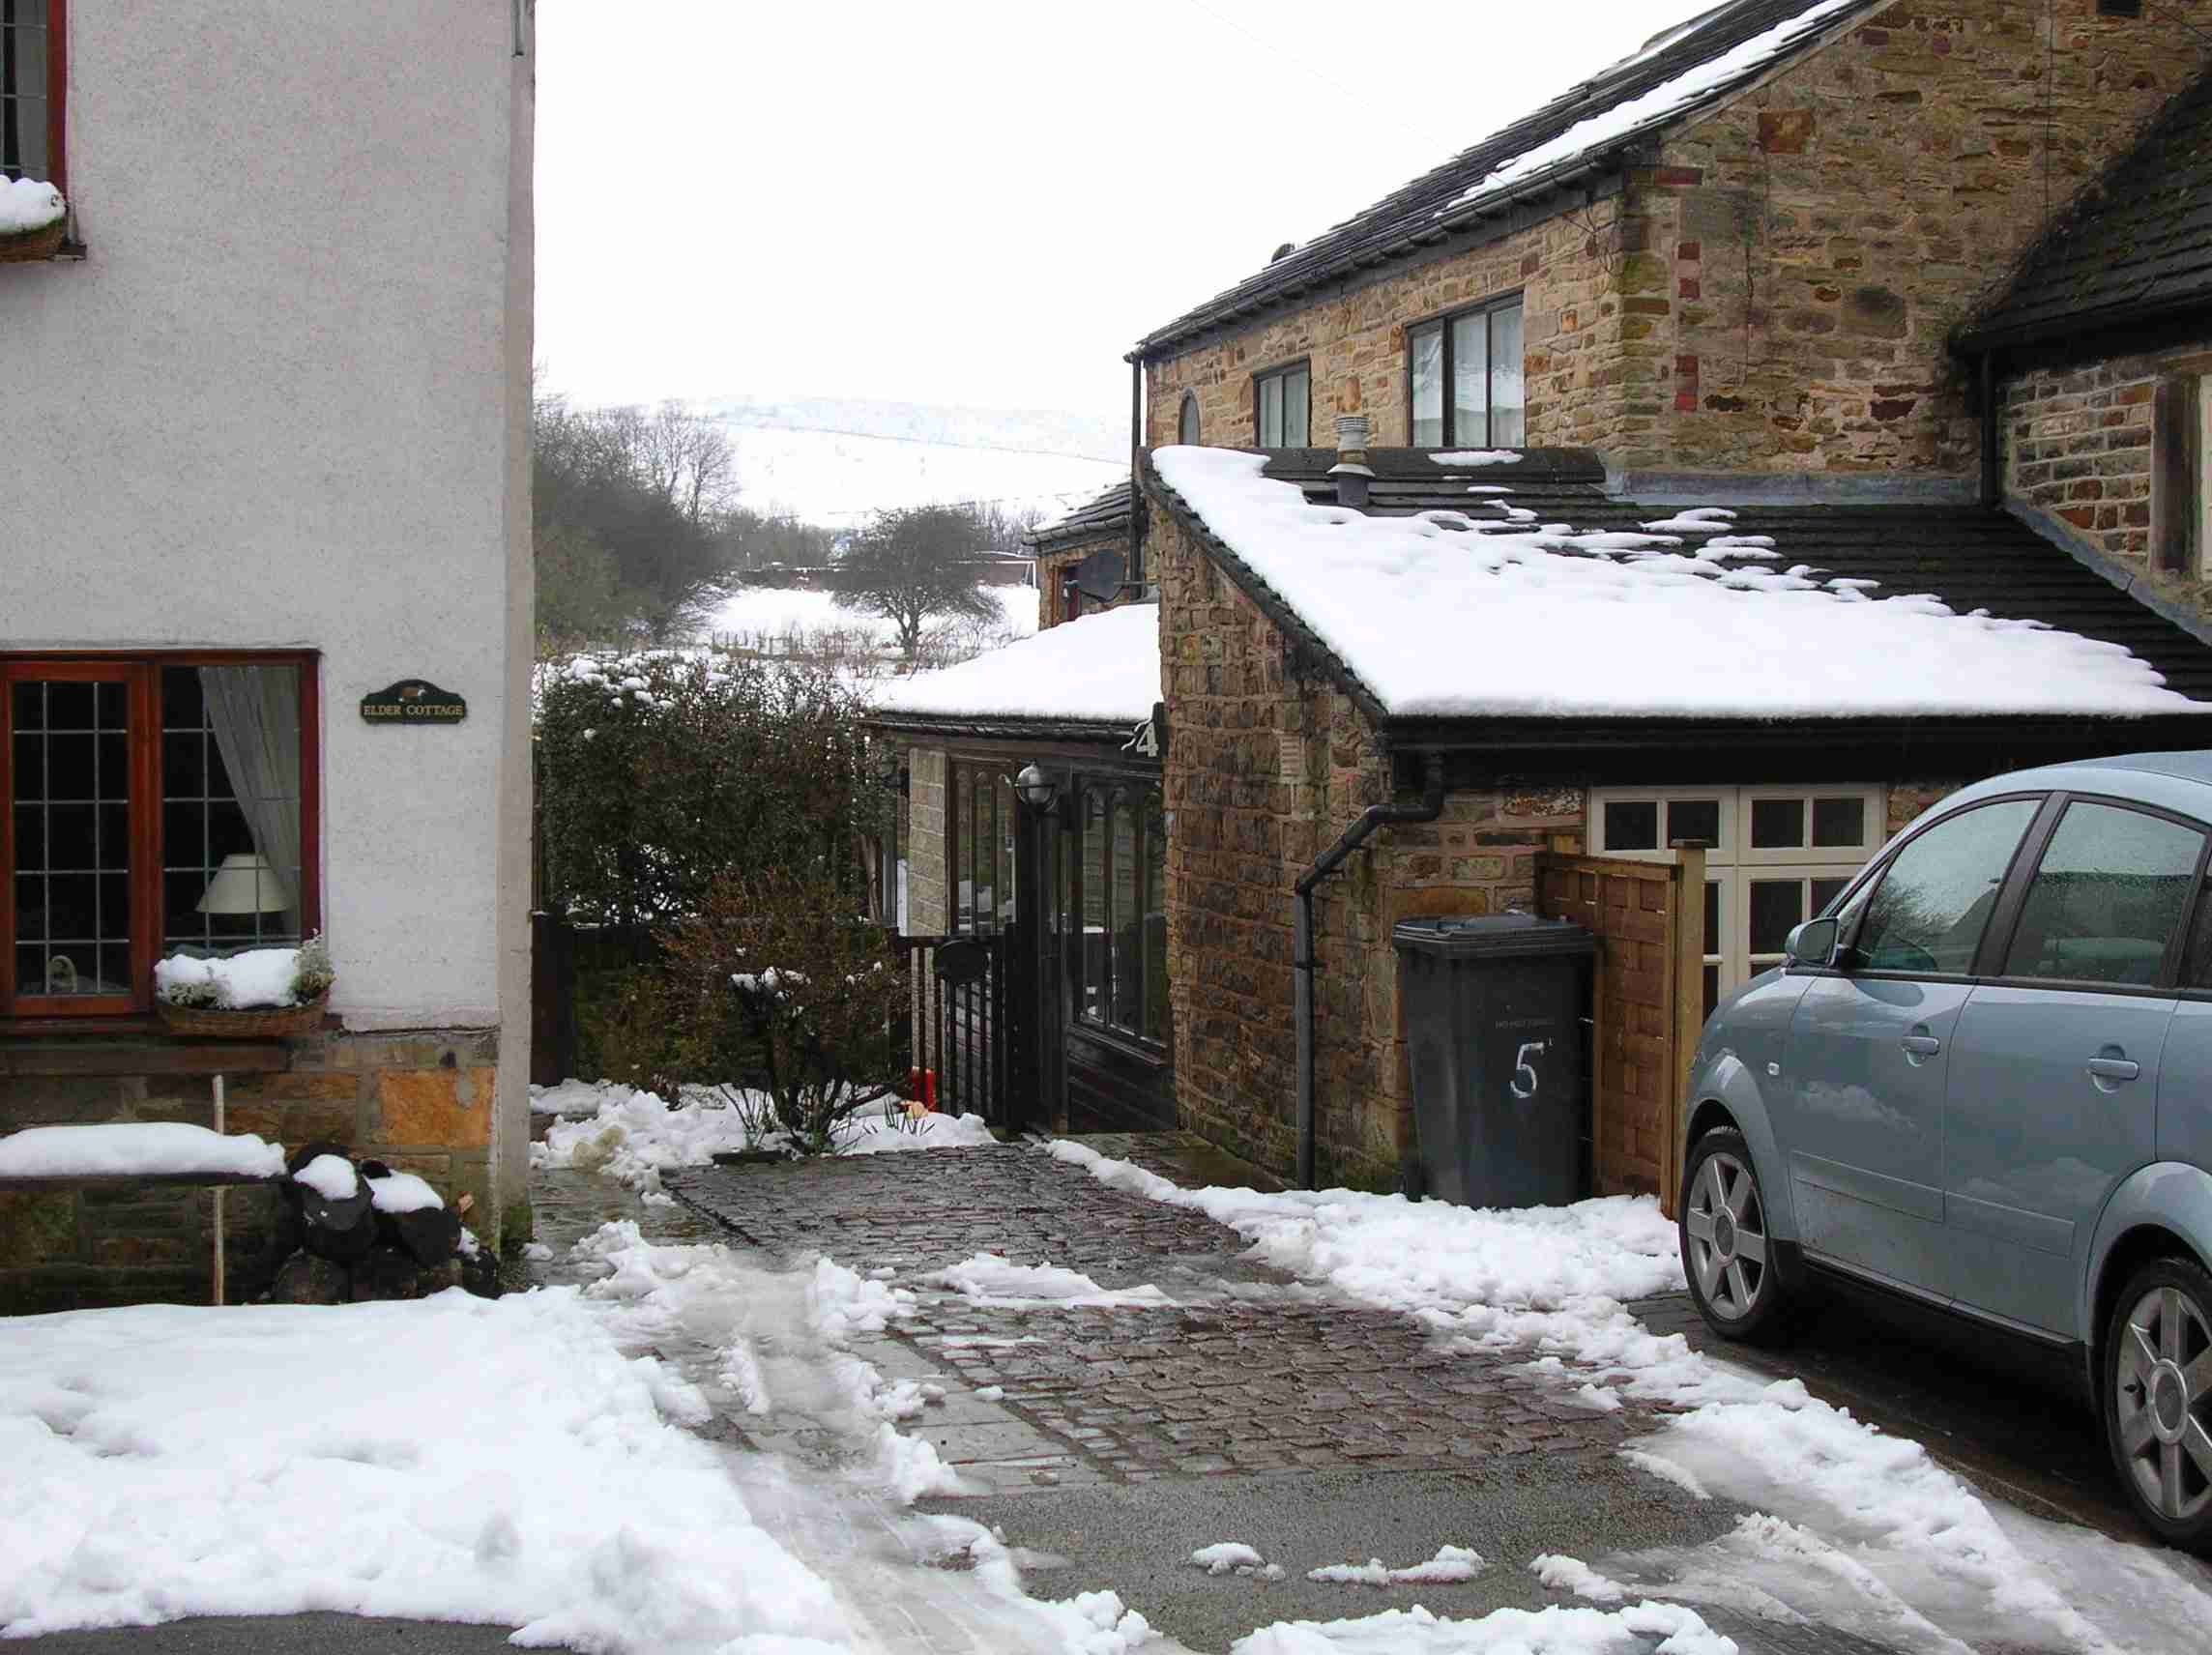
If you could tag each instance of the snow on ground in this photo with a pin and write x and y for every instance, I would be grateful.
(142, 1147)
(1855, 1529)
(1560, 1630)
(633, 1136)
(454, 1458)
(1102, 667)
(1399, 599)
(990, 1279)
(1451, 1564)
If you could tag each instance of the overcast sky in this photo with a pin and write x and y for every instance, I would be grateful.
(983, 201)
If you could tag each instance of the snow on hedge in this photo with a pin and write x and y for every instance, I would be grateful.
(1104, 666)
(135, 1148)
(1443, 617)
(27, 204)
(452, 1459)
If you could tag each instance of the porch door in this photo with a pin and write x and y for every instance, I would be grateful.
(1115, 1073)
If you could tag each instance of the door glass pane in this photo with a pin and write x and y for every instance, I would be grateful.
(1471, 380)
(1271, 411)
(1697, 819)
(1156, 1017)
(1129, 919)
(2110, 889)
(1777, 823)
(1508, 415)
(1826, 891)
(1297, 407)
(1003, 876)
(1712, 939)
(1928, 911)
(1712, 988)
(963, 851)
(72, 852)
(1777, 906)
(1839, 823)
(1425, 351)
(1093, 990)
(1632, 824)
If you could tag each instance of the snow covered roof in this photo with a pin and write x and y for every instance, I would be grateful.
(1676, 73)
(1492, 610)
(1102, 669)
(1109, 512)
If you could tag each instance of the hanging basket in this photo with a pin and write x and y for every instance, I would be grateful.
(259, 1023)
(24, 246)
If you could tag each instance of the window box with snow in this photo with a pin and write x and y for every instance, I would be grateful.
(34, 79)
(149, 808)
(257, 992)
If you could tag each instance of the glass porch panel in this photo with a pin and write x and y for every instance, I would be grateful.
(1471, 380)
(70, 853)
(1003, 876)
(1157, 1013)
(1093, 990)
(1128, 919)
(1508, 397)
(1425, 353)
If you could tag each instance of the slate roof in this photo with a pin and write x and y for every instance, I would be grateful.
(1438, 204)
(1969, 557)
(1109, 512)
(2136, 249)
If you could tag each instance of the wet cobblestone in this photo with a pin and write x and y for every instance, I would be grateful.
(1248, 1371)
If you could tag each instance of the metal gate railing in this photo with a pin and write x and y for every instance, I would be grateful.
(962, 1021)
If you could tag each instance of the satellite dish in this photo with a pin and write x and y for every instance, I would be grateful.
(1102, 575)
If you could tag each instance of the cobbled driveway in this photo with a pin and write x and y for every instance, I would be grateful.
(1246, 1370)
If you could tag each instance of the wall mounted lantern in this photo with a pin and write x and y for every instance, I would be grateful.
(1038, 789)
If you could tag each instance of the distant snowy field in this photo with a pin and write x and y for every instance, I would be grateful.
(840, 479)
(776, 613)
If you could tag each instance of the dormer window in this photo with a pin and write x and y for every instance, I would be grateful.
(1464, 379)
(31, 85)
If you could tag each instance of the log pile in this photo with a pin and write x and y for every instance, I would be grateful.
(356, 1231)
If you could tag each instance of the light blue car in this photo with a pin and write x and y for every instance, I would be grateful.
(1982, 1083)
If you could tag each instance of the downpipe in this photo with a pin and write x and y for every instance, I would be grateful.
(1431, 806)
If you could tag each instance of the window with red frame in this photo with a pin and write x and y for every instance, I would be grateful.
(33, 78)
(153, 805)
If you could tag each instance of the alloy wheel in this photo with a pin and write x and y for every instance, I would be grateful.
(1726, 1225)
(2162, 1399)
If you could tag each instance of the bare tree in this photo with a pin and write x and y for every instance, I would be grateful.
(914, 564)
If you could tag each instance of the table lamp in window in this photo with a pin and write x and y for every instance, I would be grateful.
(245, 886)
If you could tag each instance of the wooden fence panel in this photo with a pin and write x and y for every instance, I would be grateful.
(1647, 1000)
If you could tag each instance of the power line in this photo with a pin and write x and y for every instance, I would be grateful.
(926, 441)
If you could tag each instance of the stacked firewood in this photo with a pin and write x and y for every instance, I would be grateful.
(355, 1230)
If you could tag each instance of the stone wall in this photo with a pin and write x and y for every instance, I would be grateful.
(420, 1101)
(928, 896)
(1054, 566)
(1774, 292)
(2077, 445)
(1267, 767)
(1811, 243)
(1358, 342)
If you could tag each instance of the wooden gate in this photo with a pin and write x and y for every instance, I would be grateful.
(1648, 1005)
(964, 1022)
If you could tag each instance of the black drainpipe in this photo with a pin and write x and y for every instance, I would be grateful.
(1136, 461)
(1993, 481)
(1374, 816)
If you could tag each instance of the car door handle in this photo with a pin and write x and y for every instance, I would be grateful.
(2115, 1068)
(1920, 1045)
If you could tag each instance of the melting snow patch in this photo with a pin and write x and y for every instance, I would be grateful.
(1477, 457)
(1559, 1630)
(990, 1279)
(1450, 1565)
(330, 1176)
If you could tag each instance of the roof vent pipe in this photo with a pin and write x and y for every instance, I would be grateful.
(1351, 471)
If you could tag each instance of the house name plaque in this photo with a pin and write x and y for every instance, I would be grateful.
(414, 701)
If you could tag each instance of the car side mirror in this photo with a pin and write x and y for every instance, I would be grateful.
(1812, 944)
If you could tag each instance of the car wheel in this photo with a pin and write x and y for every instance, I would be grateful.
(1728, 1250)
(2158, 1398)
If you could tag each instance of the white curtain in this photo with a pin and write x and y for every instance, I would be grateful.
(254, 712)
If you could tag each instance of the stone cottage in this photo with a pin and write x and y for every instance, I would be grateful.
(267, 407)
(1701, 326)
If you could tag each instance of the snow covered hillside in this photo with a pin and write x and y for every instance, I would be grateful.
(775, 617)
(835, 461)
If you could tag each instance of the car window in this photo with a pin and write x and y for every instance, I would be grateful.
(1933, 902)
(2107, 898)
